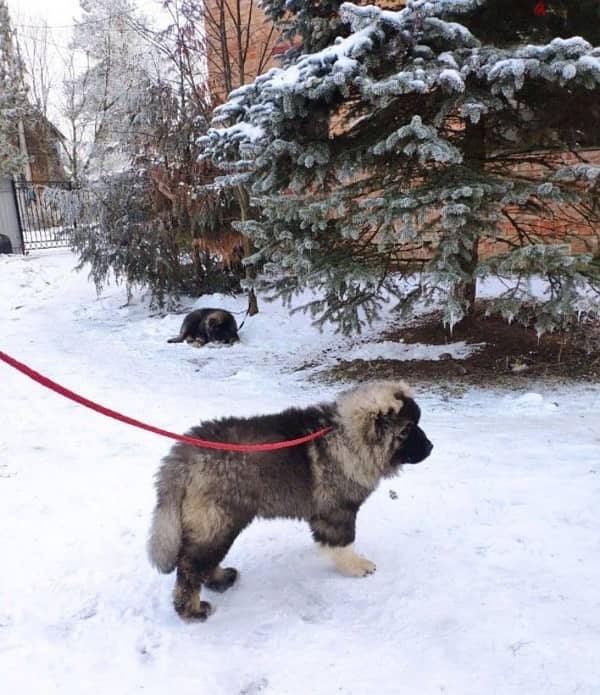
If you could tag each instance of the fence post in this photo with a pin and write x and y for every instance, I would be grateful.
(74, 216)
(13, 188)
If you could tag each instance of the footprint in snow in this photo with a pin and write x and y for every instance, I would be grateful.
(6, 620)
(147, 643)
(254, 687)
(88, 609)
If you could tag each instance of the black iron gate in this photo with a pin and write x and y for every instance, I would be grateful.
(42, 215)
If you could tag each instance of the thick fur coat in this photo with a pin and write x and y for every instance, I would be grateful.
(207, 497)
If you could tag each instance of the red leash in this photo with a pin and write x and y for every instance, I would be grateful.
(53, 386)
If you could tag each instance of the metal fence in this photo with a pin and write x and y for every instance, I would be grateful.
(43, 221)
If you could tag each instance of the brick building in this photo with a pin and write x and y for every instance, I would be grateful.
(42, 143)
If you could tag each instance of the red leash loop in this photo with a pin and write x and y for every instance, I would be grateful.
(224, 446)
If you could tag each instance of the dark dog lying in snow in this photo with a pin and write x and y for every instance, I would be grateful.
(207, 325)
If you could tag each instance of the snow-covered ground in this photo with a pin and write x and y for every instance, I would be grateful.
(488, 553)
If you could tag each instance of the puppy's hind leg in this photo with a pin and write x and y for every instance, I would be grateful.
(208, 533)
(222, 579)
(186, 594)
(198, 566)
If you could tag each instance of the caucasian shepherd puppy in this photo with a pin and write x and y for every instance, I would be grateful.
(207, 325)
(207, 497)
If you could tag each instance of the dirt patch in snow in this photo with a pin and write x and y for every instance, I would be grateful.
(506, 354)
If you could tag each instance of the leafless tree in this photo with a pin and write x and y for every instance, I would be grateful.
(238, 44)
(37, 51)
(73, 109)
(214, 46)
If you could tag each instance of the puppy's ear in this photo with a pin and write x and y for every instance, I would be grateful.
(384, 421)
(380, 424)
(372, 407)
(385, 418)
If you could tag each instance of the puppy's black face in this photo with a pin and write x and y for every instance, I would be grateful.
(414, 449)
(221, 332)
(410, 444)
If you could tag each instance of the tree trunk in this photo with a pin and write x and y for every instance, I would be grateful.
(252, 303)
(465, 292)
(244, 203)
(474, 157)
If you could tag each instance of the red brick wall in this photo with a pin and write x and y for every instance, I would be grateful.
(248, 46)
(558, 224)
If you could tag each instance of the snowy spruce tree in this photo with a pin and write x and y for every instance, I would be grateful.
(451, 137)
(12, 97)
(307, 25)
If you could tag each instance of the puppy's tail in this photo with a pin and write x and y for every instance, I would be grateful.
(165, 534)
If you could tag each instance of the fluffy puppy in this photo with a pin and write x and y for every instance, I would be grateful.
(207, 497)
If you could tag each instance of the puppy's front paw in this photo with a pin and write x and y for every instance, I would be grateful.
(349, 563)
(357, 566)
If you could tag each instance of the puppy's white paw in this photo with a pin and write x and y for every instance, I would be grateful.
(348, 563)
(356, 566)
